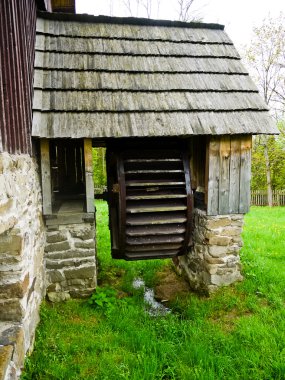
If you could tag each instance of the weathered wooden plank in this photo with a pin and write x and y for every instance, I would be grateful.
(234, 175)
(46, 177)
(214, 176)
(245, 174)
(169, 218)
(89, 175)
(156, 230)
(206, 170)
(155, 239)
(224, 181)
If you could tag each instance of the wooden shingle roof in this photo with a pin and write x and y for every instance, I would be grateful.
(112, 77)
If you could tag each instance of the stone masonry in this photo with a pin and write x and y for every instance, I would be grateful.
(214, 260)
(70, 261)
(22, 240)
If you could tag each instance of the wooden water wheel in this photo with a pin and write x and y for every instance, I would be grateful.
(150, 202)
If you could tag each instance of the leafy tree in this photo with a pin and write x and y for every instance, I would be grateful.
(99, 167)
(265, 58)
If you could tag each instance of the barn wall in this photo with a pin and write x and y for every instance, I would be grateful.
(228, 171)
(17, 41)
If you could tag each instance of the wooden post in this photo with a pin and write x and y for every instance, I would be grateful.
(214, 176)
(224, 181)
(234, 175)
(245, 173)
(89, 175)
(46, 177)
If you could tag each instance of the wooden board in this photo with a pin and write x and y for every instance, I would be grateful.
(89, 175)
(224, 180)
(234, 175)
(214, 176)
(46, 177)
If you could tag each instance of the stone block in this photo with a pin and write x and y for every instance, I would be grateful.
(15, 290)
(58, 296)
(56, 236)
(9, 242)
(5, 359)
(218, 250)
(5, 205)
(83, 231)
(219, 240)
(83, 272)
(85, 244)
(218, 222)
(14, 336)
(226, 278)
(72, 253)
(55, 247)
(11, 310)
(55, 276)
(7, 224)
(231, 231)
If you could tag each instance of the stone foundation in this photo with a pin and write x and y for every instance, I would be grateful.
(214, 259)
(70, 261)
(22, 238)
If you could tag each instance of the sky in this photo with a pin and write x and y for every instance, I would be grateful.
(238, 16)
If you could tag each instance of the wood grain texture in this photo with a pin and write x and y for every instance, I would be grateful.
(224, 180)
(214, 176)
(46, 177)
(234, 175)
(89, 175)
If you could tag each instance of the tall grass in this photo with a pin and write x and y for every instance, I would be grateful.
(238, 333)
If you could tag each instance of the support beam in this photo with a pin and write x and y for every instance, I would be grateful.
(89, 175)
(46, 177)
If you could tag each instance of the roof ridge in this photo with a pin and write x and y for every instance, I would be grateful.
(126, 20)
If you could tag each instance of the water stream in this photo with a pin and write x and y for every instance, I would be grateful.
(153, 307)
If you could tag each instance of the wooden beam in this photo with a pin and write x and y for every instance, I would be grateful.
(224, 181)
(234, 175)
(214, 176)
(46, 177)
(88, 162)
(245, 174)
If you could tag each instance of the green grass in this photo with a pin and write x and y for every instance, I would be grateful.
(238, 333)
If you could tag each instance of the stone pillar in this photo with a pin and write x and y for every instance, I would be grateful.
(22, 240)
(70, 261)
(214, 260)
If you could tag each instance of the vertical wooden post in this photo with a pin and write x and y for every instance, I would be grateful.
(234, 175)
(46, 177)
(245, 174)
(89, 175)
(214, 176)
(224, 181)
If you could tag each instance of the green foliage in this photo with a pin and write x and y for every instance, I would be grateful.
(104, 298)
(276, 153)
(238, 333)
(99, 167)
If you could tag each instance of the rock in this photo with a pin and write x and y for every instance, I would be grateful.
(5, 359)
(9, 242)
(56, 236)
(55, 247)
(83, 272)
(58, 296)
(16, 290)
(11, 310)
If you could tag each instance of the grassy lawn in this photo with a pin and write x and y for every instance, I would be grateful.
(239, 333)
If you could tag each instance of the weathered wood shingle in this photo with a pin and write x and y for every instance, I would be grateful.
(118, 79)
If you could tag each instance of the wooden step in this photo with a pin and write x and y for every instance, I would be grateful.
(150, 240)
(153, 247)
(144, 183)
(150, 171)
(155, 207)
(154, 219)
(155, 230)
(151, 255)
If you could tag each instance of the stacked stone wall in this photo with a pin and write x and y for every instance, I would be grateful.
(213, 260)
(22, 240)
(70, 261)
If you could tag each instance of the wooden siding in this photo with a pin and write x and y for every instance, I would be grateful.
(229, 161)
(17, 41)
(107, 77)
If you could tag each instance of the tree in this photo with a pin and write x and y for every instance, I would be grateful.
(265, 58)
(184, 10)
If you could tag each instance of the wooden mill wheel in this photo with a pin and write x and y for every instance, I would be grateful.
(150, 203)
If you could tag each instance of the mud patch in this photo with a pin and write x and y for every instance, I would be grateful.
(170, 285)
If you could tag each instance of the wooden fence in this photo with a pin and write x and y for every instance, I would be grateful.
(259, 198)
